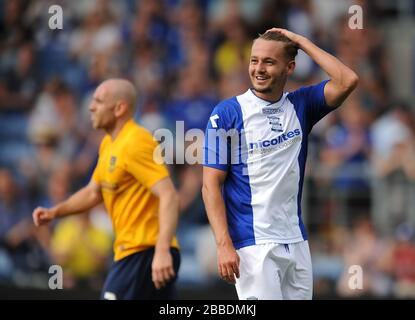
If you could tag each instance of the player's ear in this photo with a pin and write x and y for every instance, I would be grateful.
(290, 67)
(120, 108)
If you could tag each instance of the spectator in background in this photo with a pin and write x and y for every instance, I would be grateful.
(25, 247)
(192, 226)
(58, 187)
(150, 115)
(364, 50)
(300, 20)
(55, 111)
(147, 72)
(402, 262)
(18, 83)
(45, 160)
(400, 153)
(14, 32)
(98, 34)
(393, 158)
(193, 101)
(363, 248)
(220, 12)
(185, 32)
(345, 156)
(231, 57)
(233, 54)
(82, 249)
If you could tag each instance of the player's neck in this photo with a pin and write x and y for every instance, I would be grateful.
(119, 124)
(271, 96)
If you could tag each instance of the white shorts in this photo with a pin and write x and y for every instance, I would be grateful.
(275, 271)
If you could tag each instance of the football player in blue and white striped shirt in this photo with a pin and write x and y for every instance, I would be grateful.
(254, 161)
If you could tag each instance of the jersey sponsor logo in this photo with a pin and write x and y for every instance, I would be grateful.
(265, 144)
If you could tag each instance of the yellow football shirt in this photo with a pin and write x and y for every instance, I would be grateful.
(126, 171)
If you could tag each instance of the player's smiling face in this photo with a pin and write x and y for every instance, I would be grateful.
(269, 67)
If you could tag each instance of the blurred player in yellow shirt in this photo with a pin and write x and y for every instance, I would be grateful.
(138, 195)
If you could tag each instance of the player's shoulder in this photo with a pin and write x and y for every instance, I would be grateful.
(139, 131)
(297, 93)
(138, 138)
(307, 91)
(228, 106)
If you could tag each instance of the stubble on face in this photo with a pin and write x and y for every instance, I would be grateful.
(267, 68)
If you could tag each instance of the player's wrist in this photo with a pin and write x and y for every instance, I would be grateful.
(162, 246)
(300, 41)
(224, 242)
(54, 212)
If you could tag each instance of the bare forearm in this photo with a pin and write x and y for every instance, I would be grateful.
(216, 212)
(80, 201)
(168, 217)
(338, 72)
(343, 79)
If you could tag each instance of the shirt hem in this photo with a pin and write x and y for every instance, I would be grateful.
(216, 166)
(251, 242)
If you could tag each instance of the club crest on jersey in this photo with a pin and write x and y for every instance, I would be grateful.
(113, 160)
(273, 120)
(275, 123)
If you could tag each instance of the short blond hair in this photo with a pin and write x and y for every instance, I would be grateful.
(291, 49)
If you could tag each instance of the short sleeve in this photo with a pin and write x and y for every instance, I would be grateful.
(95, 175)
(313, 101)
(141, 162)
(215, 151)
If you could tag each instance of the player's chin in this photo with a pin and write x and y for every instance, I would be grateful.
(262, 88)
(95, 124)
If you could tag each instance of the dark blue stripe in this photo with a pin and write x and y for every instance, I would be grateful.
(237, 190)
(302, 157)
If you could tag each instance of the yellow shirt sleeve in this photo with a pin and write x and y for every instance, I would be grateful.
(95, 174)
(141, 164)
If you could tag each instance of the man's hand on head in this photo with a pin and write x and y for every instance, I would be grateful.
(296, 38)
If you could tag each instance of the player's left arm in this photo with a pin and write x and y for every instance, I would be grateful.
(343, 80)
(162, 266)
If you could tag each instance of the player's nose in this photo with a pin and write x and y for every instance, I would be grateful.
(260, 67)
(92, 107)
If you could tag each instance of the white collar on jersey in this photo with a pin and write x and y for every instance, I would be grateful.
(265, 103)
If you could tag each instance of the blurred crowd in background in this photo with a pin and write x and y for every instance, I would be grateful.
(185, 56)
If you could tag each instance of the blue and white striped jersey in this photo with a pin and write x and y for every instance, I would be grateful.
(263, 147)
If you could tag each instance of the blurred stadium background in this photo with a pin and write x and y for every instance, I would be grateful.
(184, 56)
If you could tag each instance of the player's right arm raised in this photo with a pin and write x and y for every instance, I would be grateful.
(228, 259)
(83, 200)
